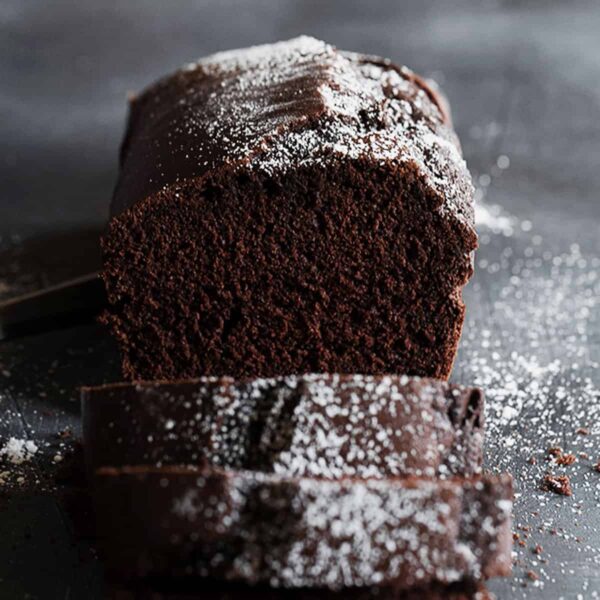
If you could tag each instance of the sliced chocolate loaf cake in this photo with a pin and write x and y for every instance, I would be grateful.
(313, 481)
(302, 532)
(306, 425)
(284, 209)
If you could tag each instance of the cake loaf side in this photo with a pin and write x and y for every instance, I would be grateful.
(306, 425)
(302, 532)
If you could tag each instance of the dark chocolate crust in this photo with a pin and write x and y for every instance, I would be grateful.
(288, 209)
(302, 532)
(236, 107)
(311, 425)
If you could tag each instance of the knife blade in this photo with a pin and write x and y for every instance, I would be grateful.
(66, 304)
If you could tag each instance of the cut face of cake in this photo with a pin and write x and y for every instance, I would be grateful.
(289, 208)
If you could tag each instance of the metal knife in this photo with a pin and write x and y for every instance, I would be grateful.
(70, 303)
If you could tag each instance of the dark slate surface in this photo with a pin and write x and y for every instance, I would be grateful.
(524, 82)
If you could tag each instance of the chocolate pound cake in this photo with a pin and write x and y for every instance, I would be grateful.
(289, 208)
(254, 527)
(302, 425)
(314, 481)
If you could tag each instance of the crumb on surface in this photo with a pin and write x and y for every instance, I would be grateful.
(559, 484)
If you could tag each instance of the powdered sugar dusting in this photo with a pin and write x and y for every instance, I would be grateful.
(558, 296)
(327, 502)
(18, 451)
(376, 111)
(292, 104)
(539, 374)
(262, 57)
(372, 427)
(311, 425)
(494, 217)
(323, 533)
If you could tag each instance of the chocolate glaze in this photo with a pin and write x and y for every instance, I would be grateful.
(427, 85)
(302, 532)
(224, 110)
(319, 425)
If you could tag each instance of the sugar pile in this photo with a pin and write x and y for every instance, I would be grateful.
(17, 451)
(13, 454)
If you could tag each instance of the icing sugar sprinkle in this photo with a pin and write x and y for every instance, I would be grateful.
(539, 374)
(258, 110)
(333, 534)
(311, 425)
(18, 451)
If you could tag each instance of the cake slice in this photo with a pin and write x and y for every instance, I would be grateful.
(302, 425)
(254, 527)
(288, 208)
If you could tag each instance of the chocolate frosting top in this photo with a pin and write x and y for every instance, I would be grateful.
(278, 106)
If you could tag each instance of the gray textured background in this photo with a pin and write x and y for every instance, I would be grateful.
(66, 68)
(523, 79)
